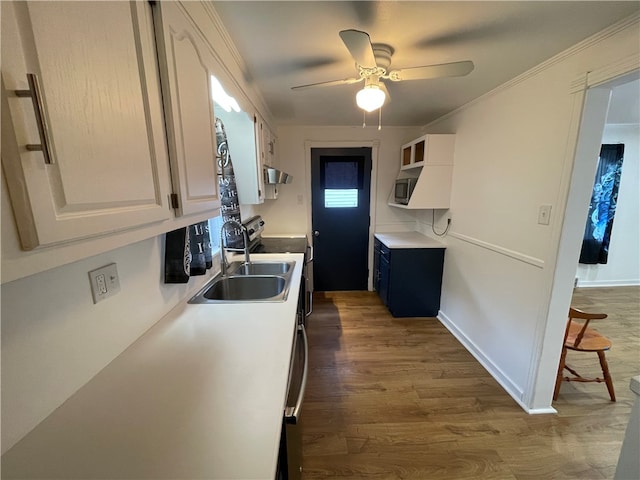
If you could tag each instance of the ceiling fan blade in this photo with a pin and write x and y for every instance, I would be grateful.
(346, 81)
(359, 45)
(455, 69)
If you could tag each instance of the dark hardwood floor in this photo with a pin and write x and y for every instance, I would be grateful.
(402, 399)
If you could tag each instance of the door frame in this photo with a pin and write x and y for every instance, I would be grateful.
(373, 193)
(590, 94)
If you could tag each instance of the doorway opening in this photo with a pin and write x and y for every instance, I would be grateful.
(581, 181)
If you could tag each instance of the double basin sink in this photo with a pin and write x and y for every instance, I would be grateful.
(253, 282)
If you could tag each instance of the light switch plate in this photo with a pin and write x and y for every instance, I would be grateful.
(544, 214)
(104, 282)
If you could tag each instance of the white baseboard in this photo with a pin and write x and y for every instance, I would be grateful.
(608, 283)
(541, 411)
(510, 387)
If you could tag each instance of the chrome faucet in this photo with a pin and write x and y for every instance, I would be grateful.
(245, 242)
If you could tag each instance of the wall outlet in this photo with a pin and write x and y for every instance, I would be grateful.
(104, 282)
(544, 214)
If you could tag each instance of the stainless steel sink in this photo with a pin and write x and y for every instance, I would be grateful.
(246, 288)
(260, 282)
(260, 268)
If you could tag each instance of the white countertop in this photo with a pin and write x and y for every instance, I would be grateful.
(200, 395)
(408, 240)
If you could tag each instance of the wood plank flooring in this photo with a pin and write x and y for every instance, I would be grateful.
(402, 399)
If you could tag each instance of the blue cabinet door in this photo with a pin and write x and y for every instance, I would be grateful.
(415, 281)
(381, 270)
(383, 285)
(376, 265)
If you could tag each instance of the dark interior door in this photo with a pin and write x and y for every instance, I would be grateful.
(341, 185)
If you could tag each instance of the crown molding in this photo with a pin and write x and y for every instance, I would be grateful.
(579, 84)
(631, 21)
(613, 70)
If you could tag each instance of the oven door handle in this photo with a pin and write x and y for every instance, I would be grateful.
(291, 414)
(310, 294)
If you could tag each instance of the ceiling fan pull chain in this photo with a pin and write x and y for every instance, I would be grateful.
(380, 118)
(364, 119)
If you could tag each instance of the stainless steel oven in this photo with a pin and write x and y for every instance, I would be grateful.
(290, 455)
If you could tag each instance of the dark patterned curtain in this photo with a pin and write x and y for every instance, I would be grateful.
(188, 249)
(230, 207)
(597, 233)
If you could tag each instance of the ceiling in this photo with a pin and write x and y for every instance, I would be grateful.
(291, 43)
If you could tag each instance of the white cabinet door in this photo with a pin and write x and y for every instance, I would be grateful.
(268, 146)
(97, 70)
(243, 146)
(186, 66)
(262, 133)
(261, 153)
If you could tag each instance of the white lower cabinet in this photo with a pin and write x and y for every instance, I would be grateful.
(100, 106)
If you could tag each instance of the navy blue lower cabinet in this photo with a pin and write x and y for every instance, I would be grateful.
(409, 280)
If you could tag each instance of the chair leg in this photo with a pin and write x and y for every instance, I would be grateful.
(563, 358)
(607, 375)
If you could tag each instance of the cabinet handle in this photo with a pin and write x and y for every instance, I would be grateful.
(35, 94)
(310, 295)
(291, 414)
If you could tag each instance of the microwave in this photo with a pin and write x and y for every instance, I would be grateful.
(404, 189)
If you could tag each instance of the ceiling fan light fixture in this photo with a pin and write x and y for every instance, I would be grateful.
(370, 98)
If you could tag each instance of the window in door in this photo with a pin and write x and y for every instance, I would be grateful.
(341, 179)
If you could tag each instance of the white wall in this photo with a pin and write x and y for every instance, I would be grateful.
(54, 339)
(290, 213)
(623, 266)
(510, 158)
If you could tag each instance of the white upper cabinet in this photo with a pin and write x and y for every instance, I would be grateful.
(100, 108)
(429, 159)
(186, 67)
(268, 146)
(242, 142)
(430, 149)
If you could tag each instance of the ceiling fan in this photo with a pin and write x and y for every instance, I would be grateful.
(373, 61)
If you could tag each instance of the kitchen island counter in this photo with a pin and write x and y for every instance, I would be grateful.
(200, 395)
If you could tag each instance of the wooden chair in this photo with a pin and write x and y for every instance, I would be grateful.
(580, 338)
